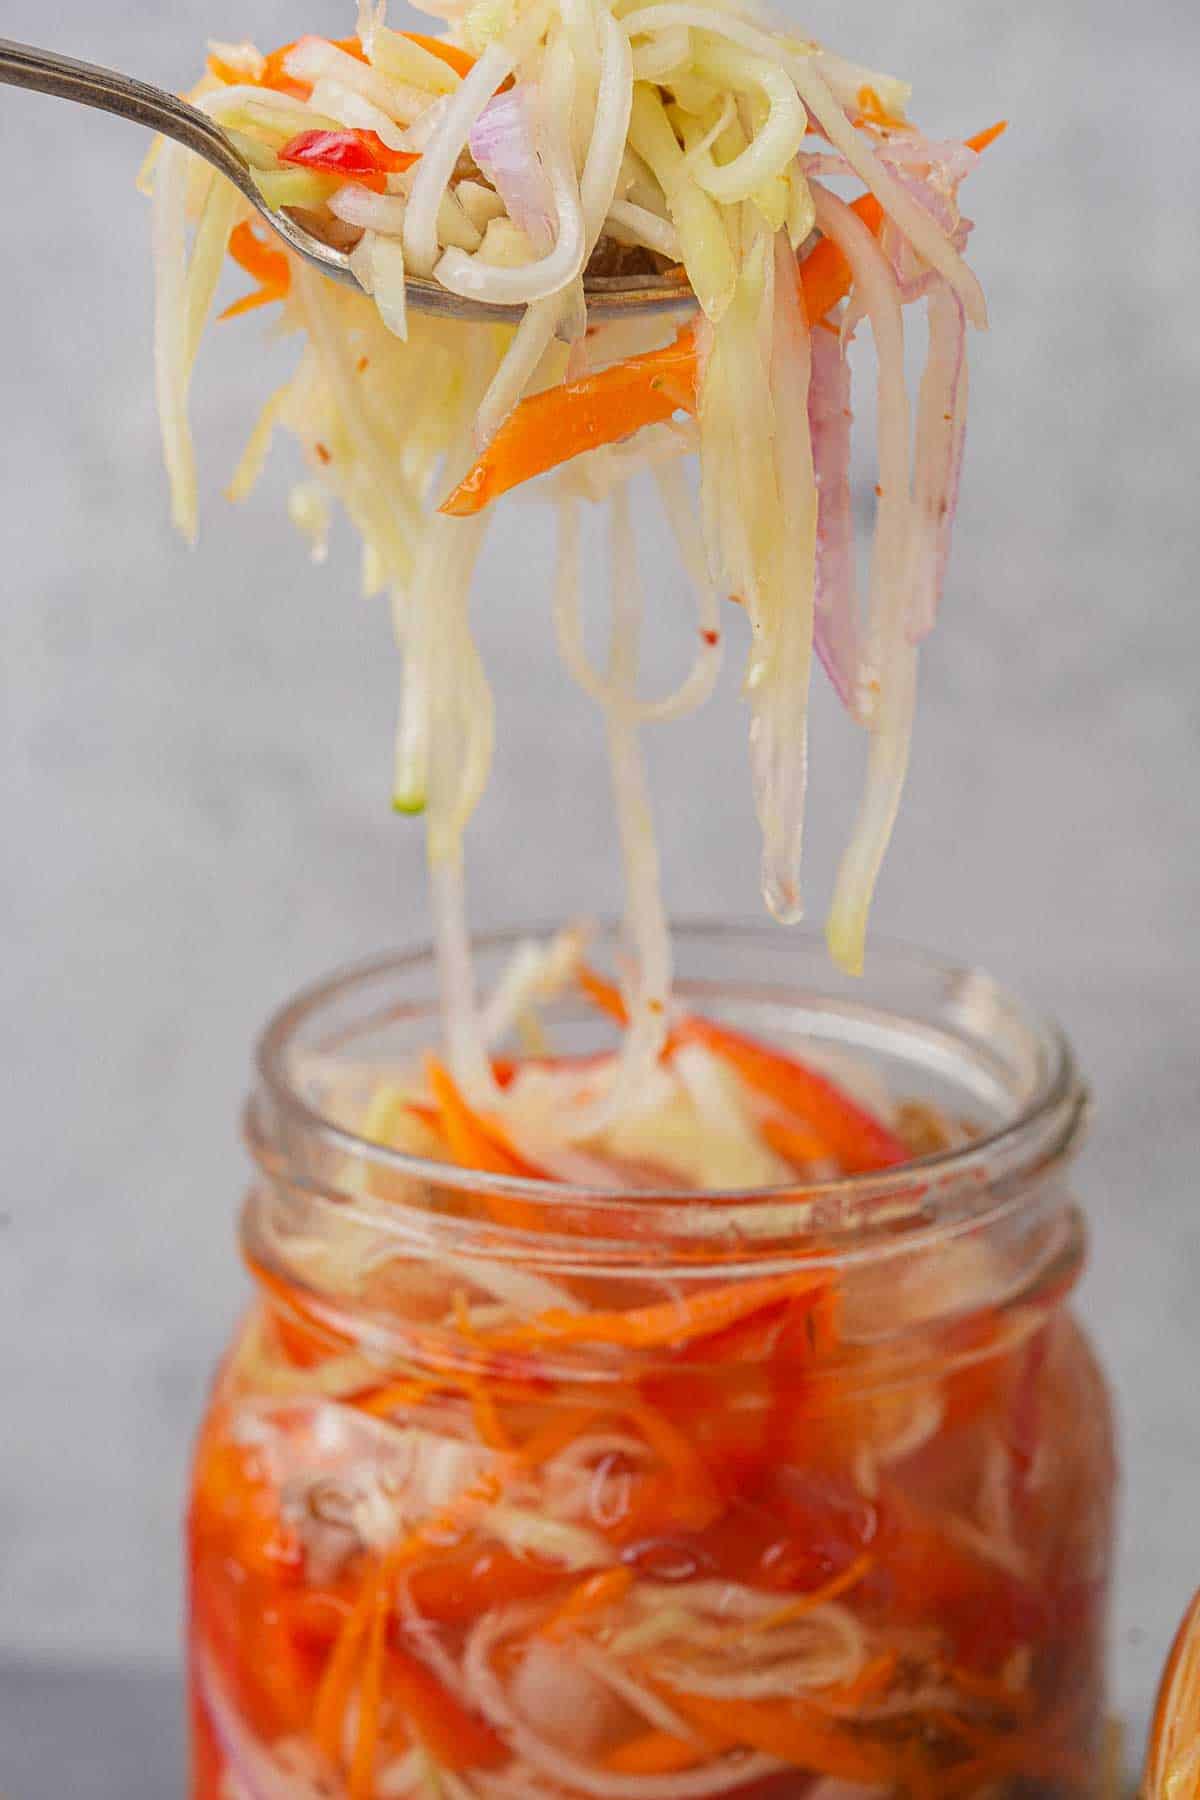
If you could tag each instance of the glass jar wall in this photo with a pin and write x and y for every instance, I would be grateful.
(510, 1490)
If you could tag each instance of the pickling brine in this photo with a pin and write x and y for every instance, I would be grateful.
(655, 1489)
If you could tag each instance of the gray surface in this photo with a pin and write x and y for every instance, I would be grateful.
(197, 749)
(86, 1733)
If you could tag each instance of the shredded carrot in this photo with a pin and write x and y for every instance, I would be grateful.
(361, 1785)
(220, 70)
(787, 1731)
(871, 1683)
(558, 1432)
(275, 76)
(269, 267)
(333, 1695)
(397, 1395)
(455, 1738)
(671, 1323)
(982, 139)
(796, 1143)
(991, 1690)
(302, 1308)
(872, 111)
(476, 1144)
(658, 1753)
(806, 1603)
(692, 1484)
(604, 995)
(486, 1416)
(595, 1593)
(461, 61)
(551, 427)
(263, 296)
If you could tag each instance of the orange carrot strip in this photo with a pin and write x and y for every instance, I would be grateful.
(333, 1695)
(454, 1737)
(779, 1728)
(806, 1603)
(658, 1753)
(593, 1594)
(549, 428)
(871, 1683)
(263, 296)
(604, 995)
(673, 1322)
(874, 112)
(461, 61)
(259, 258)
(558, 1432)
(268, 266)
(796, 1143)
(689, 1479)
(361, 1785)
(991, 1690)
(275, 76)
(410, 1392)
(980, 142)
(475, 1144)
(487, 1419)
(861, 1143)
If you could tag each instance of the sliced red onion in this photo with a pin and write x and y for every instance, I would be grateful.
(931, 172)
(835, 625)
(941, 436)
(503, 143)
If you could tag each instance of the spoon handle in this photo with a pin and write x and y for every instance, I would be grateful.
(46, 72)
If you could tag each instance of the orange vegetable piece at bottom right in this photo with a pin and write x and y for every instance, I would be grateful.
(1173, 1758)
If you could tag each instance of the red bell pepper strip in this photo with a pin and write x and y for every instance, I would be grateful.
(861, 1143)
(358, 156)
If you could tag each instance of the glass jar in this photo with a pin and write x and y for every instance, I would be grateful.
(511, 1489)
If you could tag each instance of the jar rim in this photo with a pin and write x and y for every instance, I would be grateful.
(963, 1187)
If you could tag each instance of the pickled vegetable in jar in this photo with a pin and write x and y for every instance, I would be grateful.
(641, 1486)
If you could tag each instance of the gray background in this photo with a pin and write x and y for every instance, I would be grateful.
(196, 751)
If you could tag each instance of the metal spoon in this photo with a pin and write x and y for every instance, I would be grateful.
(24, 66)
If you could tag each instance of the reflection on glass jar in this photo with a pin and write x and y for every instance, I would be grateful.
(511, 1491)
